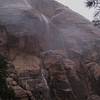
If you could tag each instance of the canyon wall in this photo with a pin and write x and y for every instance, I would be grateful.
(53, 52)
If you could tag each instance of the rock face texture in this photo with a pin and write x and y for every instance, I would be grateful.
(53, 52)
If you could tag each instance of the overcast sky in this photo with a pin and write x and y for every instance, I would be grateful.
(79, 6)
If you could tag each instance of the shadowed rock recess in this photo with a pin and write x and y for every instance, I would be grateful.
(53, 52)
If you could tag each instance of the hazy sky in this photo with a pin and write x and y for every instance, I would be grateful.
(79, 6)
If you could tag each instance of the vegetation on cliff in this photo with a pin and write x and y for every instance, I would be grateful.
(6, 93)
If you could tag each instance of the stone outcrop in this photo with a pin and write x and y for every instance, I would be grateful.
(53, 52)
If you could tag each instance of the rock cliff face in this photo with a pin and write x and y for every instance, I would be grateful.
(53, 52)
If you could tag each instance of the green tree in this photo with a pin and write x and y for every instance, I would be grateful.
(5, 92)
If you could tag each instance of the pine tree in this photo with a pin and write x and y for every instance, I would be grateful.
(96, 5)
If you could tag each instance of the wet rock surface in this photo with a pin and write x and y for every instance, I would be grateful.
(53, 52)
